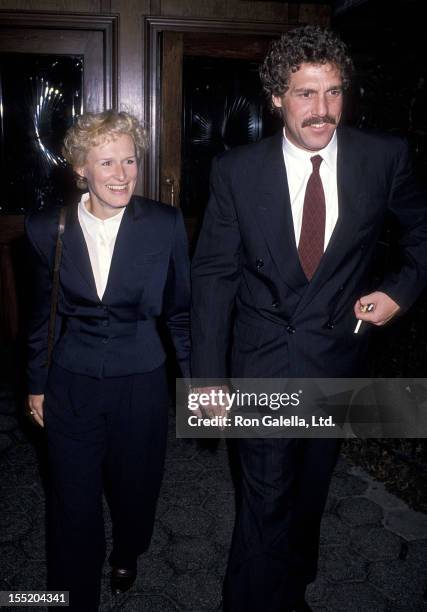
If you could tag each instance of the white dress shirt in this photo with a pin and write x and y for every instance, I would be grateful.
(298, 170)
(100, 236)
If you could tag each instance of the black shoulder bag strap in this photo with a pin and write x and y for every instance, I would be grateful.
(55, 285)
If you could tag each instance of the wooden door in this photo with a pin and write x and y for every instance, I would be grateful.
(181, 182)
(33, 43)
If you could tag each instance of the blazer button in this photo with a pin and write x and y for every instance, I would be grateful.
(275, 304)
(330, 325)
(290, 329)
(105, 323)
(104, 340)
(259, 263)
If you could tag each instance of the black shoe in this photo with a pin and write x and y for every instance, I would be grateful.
(121, 579)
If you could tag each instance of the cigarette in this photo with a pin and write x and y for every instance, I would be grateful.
(356, 329)
(364, 308)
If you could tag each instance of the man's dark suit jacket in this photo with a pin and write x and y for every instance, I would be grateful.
(148, 280)
(247, 278)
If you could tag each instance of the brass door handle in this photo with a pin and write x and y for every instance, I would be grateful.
(170, 181)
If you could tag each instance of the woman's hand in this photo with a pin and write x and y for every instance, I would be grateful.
(35, 408)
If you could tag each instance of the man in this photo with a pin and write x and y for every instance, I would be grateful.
(282, 266)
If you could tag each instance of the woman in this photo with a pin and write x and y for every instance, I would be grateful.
(104, 401)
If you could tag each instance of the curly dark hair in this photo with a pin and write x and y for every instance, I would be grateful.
(305, 44)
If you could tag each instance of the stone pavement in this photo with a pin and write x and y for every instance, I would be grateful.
(373, 548)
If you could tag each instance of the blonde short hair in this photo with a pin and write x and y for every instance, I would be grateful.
(93, 129)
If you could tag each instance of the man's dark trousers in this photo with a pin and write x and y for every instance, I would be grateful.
(284, 484)
(112, 428)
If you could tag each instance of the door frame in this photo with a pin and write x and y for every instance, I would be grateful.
(153, 29)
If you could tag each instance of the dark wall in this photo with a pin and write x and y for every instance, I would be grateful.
(388, 44)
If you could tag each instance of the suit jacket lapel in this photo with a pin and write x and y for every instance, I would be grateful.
(131, 242)
(121, 254)
(273, 211)
(75, 249)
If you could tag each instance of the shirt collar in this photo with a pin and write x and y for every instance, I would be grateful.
(93, 223)
(328, 153)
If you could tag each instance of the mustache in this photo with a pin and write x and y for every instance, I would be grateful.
(314, 120)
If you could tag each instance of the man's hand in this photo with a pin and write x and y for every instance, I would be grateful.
(383, 310)
(217, 407)
(35, 408)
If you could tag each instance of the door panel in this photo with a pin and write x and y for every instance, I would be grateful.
(212, 100)
(170, 130)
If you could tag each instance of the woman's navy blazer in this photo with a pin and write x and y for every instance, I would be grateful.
(117, 335)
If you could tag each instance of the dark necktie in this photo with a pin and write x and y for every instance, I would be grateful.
(312, 239)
